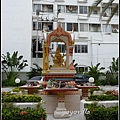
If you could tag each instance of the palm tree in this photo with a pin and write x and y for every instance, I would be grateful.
(94, 71)
(12, 65)
(97, 2)
(114, 66)
(112, 73)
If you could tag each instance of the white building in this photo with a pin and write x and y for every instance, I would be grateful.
(94, 42)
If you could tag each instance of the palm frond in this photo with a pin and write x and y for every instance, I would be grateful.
(91, 8)
(114, 10)
(105, 8)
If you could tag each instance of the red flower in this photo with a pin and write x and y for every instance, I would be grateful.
(38, 108)
(41, 119)
(115, 92)
(23, 112)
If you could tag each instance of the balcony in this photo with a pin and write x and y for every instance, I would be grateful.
(82, 17)
(82, 1)
(59, 0)
(84, 34)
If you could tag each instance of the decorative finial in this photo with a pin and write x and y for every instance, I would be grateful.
(59, 25)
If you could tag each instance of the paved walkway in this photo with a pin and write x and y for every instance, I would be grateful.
(73, 117)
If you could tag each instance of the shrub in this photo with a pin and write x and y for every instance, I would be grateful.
(94, 89)
(7, 83)
(16, 89)
(102, 97)
(12, 65)
(10, 112)
(114, 82)
(101, 113)
(7, 97)
(100, 82)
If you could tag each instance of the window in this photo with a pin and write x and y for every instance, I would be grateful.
(94, 28)
(47, 8)
(62, 8)
(71, 9)
(81, 49)
(115, 28)
(36, 7)
(71, 25)
(50, 8)
(83, 27)
(40, 55)
(39, 26)
(34, 25)
(63, 25)
(81, 69)
(107, 12)
(62, 48)
(47, 26)
(106, 28)
(75, 26)
(83, 9)
(116, 13)
(51, 45)
(95, 12)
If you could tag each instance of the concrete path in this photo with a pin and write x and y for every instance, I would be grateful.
(73, 117)
(6, 89)
(108, 87)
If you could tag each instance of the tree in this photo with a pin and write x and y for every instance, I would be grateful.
(95, 72)
(97, 2)
(114, 65)
(35, 71)
(12, 65)
(113, 69)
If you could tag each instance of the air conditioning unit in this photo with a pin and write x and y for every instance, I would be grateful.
(70, 8)
(115, 31)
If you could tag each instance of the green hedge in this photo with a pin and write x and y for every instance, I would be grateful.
(15, 113)
(7, 97)
(101, 113)
(106, 82)
(102, 97)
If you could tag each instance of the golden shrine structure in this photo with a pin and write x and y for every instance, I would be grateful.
(62, 66)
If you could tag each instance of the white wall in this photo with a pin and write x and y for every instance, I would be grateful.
(17, 28)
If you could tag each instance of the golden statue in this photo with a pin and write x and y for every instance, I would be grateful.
(58, 59)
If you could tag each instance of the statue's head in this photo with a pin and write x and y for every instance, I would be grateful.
(58, 50)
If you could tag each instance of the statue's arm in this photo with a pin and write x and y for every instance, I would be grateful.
(52, 56)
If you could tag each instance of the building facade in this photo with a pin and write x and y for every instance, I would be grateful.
(23, 25)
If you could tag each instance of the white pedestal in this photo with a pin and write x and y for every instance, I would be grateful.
(61, 111)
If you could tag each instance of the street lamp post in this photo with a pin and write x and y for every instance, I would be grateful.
(57, 20)
(37, 13)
